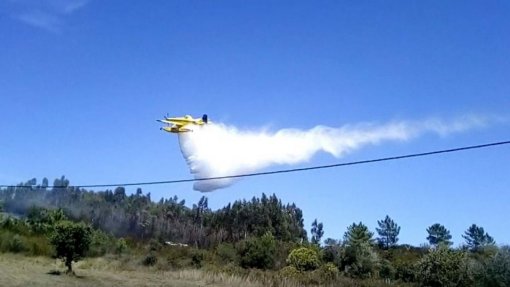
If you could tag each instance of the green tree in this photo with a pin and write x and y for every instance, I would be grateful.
(71, 241)
(360, 260)
(439, 235)
(388, 232)
(476, 238)
(317, 232)
(358, 257)
(357, 234)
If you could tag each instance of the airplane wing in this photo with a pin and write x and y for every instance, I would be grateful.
(179, 121)
(165, 122)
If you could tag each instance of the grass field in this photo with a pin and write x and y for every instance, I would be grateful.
(19, 270)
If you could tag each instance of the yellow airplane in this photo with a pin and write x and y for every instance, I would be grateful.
(178, 125)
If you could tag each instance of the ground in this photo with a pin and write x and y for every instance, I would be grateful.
(19, 270)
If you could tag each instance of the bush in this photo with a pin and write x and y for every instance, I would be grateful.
(360, 260)
(226, 253)
(150, 260)
(304, 259)
(283, 250)
(100, 243)
(327, 272)
(121, 246)
(259, 252)
(197, 258)
(155, 245)
(290, 272)
(494, 271)
(16, 244)
(405, 271)
(443, 267)
(386, 270)
(178, 257)
(38, 246)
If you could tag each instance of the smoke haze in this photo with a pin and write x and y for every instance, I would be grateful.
(216, 149)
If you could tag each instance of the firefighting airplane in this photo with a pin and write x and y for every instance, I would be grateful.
(179, 124)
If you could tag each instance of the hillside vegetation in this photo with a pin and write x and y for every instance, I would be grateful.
(114, 239)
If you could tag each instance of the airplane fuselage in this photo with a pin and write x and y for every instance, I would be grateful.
(182, 124)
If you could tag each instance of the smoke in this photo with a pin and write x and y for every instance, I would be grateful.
(216, 149)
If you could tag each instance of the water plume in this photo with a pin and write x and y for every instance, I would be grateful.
(216, 149)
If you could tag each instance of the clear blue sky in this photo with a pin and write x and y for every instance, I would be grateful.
(82, 82)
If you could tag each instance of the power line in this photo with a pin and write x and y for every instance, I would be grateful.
(288, 170)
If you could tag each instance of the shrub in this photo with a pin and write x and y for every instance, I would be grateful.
(150, 260)
(304, 259)
(443, 267)
(386, 270)
(259, 252)
(327, 272)
(38, 246)
(100, 243)
(405, 271)
(290, 272)
(155, 245)
(177, 256)
(16, 244)
(197, 258)
(226, 253)
(121, 246)
(494, 271)
(359, 260)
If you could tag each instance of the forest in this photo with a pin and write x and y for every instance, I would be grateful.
(246, 237)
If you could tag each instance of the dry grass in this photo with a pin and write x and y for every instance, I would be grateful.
(19, 270)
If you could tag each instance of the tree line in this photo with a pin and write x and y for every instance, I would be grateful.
(261, 233)
(137, 216)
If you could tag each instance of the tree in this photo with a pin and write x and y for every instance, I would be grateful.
(44, 183)
(359, 258)
(439, 235)
(357, 234)
(317, 232)
(476, 238)
(388, 232)
(71, 242)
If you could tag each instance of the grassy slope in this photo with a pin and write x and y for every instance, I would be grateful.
(19, 270)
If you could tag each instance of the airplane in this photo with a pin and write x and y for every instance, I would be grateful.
(178, 125)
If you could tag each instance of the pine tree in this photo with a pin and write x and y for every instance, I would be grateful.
(388, 232)
(439, 235)
(476, 237)
(357, 234)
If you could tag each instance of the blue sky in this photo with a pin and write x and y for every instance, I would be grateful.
(82, 82)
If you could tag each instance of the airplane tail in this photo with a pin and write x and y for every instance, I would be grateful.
(204, 118)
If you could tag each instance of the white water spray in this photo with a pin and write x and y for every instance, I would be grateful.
(216, 150)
